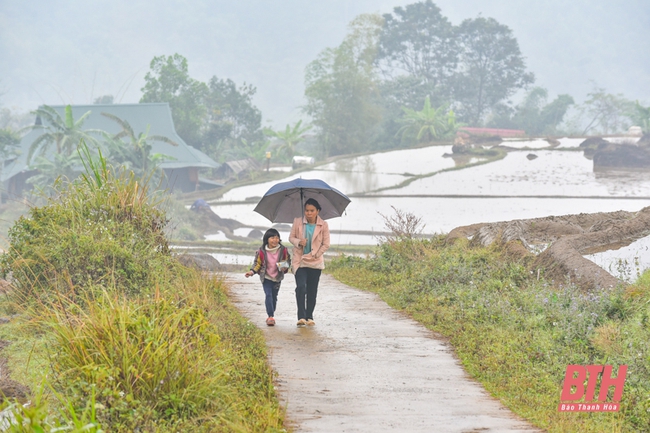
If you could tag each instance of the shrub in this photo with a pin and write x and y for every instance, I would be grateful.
(128, 337)
(102, 231)
(512, 330)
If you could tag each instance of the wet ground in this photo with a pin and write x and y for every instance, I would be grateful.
(626, 263)
(559, 181)
(365, 367)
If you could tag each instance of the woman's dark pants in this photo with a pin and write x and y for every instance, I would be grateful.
(306, 290)
(271, 289)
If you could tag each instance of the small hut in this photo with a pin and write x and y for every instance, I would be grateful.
(233, 170)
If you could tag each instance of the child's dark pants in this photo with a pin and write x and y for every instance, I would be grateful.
(271, 289)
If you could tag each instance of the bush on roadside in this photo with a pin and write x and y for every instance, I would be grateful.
(121, 327)
(105, 232)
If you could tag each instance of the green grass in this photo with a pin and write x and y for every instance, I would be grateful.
(109, 331)
(513, 332)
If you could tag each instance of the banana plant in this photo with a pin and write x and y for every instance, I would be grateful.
(134, 151)
(289, 138)
(64, 133)
(50, 170)
(429, 123)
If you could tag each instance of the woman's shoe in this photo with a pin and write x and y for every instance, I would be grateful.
(311, 322)
(270, 321)
(301, 322)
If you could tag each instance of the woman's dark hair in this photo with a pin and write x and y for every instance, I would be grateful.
(312, 202)
(269, 234)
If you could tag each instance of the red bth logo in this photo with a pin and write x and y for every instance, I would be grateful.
(575, 377)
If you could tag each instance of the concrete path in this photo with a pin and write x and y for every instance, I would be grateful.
(365, 367)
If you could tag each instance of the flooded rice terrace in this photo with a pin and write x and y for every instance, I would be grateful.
(447, 192)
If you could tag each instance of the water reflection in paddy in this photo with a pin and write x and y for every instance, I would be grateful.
(553, 172)
(365, 173)
(526, 185)
(627, 262)
(409, 161)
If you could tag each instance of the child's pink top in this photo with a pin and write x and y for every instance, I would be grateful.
(272, 263)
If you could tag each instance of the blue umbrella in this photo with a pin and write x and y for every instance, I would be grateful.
(285, 201)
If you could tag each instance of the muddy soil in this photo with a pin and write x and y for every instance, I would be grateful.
(570, 237)
(365, 367)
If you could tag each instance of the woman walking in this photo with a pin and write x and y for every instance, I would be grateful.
(310, 237)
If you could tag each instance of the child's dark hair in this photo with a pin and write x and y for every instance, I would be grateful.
(313, 202)
(269, 234)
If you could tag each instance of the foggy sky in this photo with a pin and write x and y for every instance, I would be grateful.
(56, 52)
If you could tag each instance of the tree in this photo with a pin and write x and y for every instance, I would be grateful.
(106, 99)
(9, 146)
(9, 141)
(552, 114)
(417, 56)
(11, 131)
(135, 154)
(491, 67)
(289, 138)
(341, 89)
(231, 114)
(606, 111)
(429, 123)
(533, 114)
(65, 134)
(169, 81)
(213, 117)
(641, 117)
(420, 41)
(253, 149)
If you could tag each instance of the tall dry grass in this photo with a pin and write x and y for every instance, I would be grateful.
(153, 345)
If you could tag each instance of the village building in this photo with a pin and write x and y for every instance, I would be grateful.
(234, 170)
(181, 168)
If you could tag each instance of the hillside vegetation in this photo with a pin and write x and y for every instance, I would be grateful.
(512, 330)
(111, 333)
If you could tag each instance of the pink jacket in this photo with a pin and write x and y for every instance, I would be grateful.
(320, 243)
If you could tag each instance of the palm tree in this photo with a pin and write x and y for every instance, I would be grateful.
(429, 123)
(135, 154)
(64, 133)
(290, 137)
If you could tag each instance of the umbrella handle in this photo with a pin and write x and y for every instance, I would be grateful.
(302, 211)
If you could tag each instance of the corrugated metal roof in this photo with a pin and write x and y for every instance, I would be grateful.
(242, 165)
(155, 115)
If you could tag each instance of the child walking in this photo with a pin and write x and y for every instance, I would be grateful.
(271, 262)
